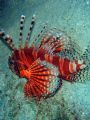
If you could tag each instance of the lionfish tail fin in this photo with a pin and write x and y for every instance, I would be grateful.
(83, 73)
(22, 20)
(86, 55)
(30, 29)
(43, 81)
(7, 40)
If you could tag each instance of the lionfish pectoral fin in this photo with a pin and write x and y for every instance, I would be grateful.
(7, 40)
(43, 80)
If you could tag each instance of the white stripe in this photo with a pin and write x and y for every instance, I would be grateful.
(72, 67)
(82, 66)
(80, 61)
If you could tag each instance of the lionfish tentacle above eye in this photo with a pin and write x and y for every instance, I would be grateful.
(7, 40)
(21, 29)
(30, 29)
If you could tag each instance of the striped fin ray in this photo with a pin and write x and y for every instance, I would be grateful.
(22, 20)
(39, 34)
(30, 29)
(52, 44)
(54, 40)
(72, 51)
(7, 40)
(57, 42)
(43, 81)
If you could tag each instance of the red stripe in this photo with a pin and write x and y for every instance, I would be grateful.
(61, 62)
(66, 66)
(55, 60)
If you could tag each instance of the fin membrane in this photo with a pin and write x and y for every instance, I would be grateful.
(72, 51)
(82, 76)
(52, 40)
(86, 56)
(57, 42)
(43, 82)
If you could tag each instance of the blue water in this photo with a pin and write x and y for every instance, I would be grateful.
(72, 102)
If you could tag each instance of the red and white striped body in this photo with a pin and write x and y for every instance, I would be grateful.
(67, 68)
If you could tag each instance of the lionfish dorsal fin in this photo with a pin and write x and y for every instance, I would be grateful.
(30, 29)
(22, 20)
(7, 40)
(51, 43)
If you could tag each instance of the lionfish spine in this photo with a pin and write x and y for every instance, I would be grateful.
(7, 39)
(31, 28)
(39, 34)
(21, 29)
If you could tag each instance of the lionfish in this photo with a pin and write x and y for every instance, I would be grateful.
(46, 63)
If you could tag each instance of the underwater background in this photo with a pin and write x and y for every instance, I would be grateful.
(72, 101)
